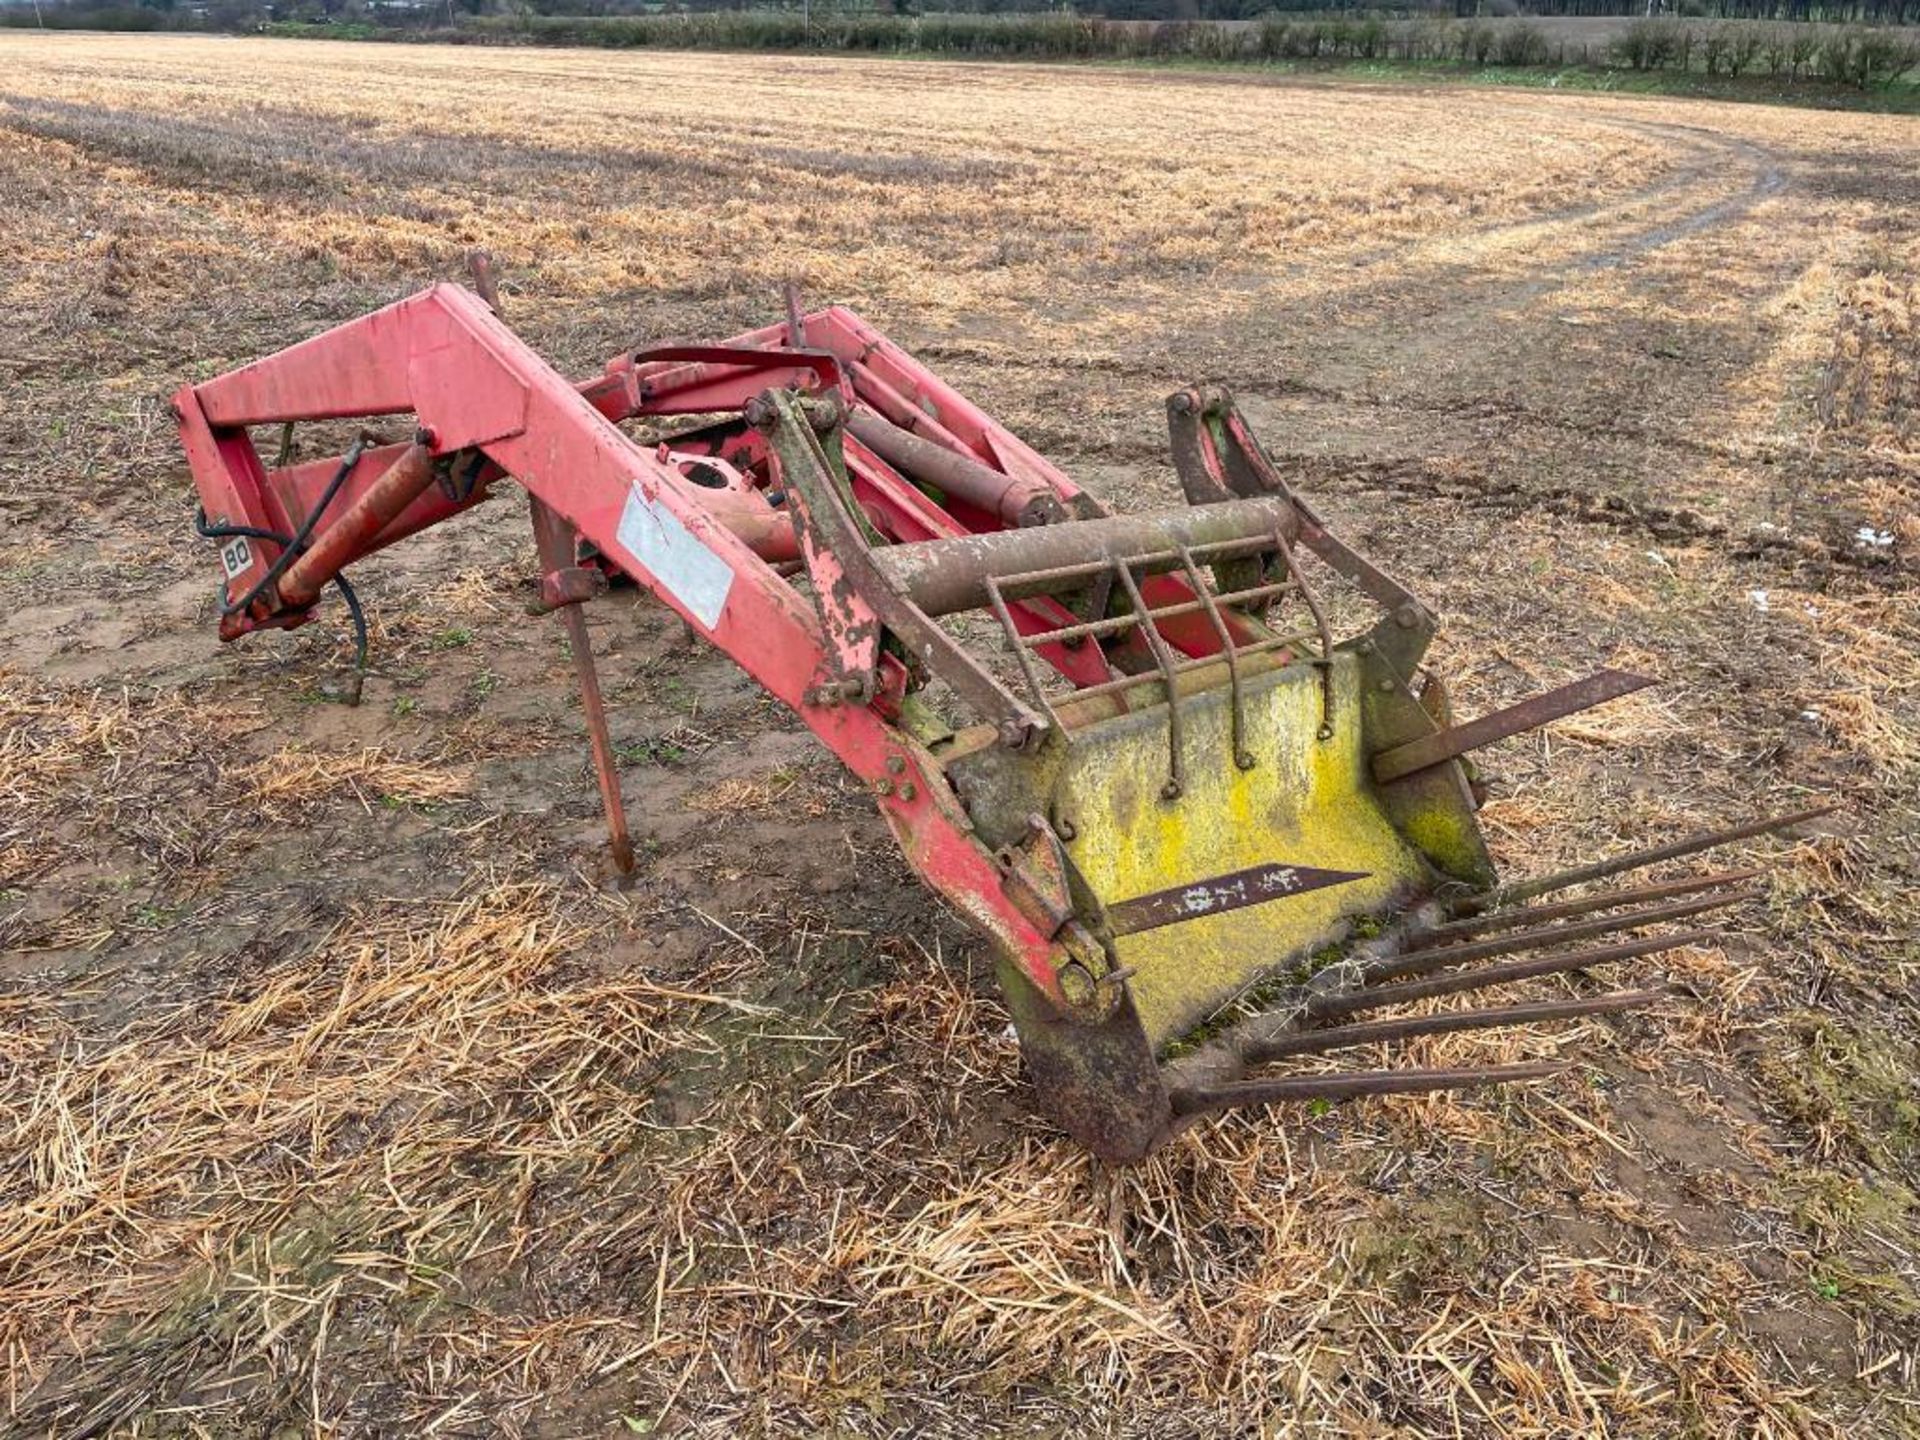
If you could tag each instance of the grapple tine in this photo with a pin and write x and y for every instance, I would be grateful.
(1635, 860)
(1316, 1042)
(1530, 714)
(1568, 909)
(1378, 997)
(1422, 961)
(1342, 1085)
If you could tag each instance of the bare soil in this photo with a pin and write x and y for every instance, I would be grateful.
(344, 1094)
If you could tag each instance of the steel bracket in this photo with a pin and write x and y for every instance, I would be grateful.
(855, 597)
(1035, 878)
(1219, 459)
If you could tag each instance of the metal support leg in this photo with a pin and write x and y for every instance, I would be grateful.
(554, 539)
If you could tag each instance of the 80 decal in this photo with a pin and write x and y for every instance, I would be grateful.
(236, 556)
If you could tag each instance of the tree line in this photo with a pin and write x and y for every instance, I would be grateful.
(243, 14)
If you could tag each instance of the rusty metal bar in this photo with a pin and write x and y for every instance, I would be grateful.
(1635, 860)
(1021, 652)
(1029, 583)
(1421, 961)
(1113, 624)
(1529, 714)
(1242, 759)
(796, 315)
(1185, 667)
(1323, 1006)
(1568, 909)
(881, 396)
(1319, 624)
(1344, 1085)
(831, 518)
(1008, 498)
(485, 284)
(1082, 708)
(943, 577)
(1169, 672)
(1449, 1022)
(553, 538)
(348, 537)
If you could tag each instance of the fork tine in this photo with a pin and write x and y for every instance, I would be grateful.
(1199, 1099)
(1315, 1042)
(1422, 961)
(1495, 920)
(1634, 860)
(1377, 997)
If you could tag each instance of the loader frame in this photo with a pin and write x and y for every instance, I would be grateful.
(815, 453)
(486, 405)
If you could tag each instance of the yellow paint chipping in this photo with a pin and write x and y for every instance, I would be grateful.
(1305, 802)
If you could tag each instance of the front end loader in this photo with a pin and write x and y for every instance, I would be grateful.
(1184, 771)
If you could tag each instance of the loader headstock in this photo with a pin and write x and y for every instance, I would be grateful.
(1196, 765)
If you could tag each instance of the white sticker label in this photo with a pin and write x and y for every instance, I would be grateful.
(237, 556)
(685, 568)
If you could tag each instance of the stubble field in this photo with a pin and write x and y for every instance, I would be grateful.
(340, 1096)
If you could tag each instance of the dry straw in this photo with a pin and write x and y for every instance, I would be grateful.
(738, 1152)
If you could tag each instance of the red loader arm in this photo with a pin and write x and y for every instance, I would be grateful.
(702, 527)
